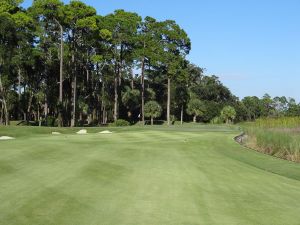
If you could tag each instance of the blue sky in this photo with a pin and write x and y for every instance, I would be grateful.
(252, 45)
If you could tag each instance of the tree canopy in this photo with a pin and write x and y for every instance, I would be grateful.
(64, 64)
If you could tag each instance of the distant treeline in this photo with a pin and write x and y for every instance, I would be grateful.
(65, 65)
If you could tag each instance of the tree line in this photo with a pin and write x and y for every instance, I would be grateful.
(65, 65)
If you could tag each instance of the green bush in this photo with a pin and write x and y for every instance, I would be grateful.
(50, 121)
(217, 120)
(120, 123)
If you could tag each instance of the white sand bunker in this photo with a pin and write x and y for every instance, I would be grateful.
(83, 131)
(56, 133)
(105, 132)
(2, 138)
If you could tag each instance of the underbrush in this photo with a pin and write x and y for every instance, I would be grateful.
(277, 137)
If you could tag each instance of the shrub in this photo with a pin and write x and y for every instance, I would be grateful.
(120, 123)
(217, 120)
(50, 121)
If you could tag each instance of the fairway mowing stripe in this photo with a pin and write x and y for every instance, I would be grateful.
(35, 179)
(139, 137)
(165, 135)
(153, 137)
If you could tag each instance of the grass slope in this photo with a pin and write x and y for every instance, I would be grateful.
(190, 175)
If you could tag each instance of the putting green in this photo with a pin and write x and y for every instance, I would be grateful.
(136, 176)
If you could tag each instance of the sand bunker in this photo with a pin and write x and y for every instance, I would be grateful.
(82, 132)
(2, 138)
(56, 133)
(105, 132)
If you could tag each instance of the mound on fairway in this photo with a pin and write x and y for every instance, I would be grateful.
(83, 131)
(105, 132)
(3, 138)
(144, 176)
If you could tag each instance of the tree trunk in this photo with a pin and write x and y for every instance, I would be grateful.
(1, 114)
(74, 87)
(73, 120)
(6, 115)
(102, 111)
(19, 83)
(152, 121)
(89, 118)
(94, 115)
(195, 119)
(80, 116)
(61, 64)
(35, 119)
(39, 116)
(28, 116)
(46, 108)
(116, 83)
(4, 103)
(87, 69)
(60, 119)
(181, 115)
(104, 115)
(116, 100)
(169, 101)
(19, 93)
(103, 103)
(143, 90)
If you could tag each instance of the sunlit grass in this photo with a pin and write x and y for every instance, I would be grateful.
(191, 174)
(279, 137)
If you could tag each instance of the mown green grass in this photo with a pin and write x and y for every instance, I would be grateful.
(190, 175)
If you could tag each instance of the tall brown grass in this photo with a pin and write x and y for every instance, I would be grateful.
(279, 137)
